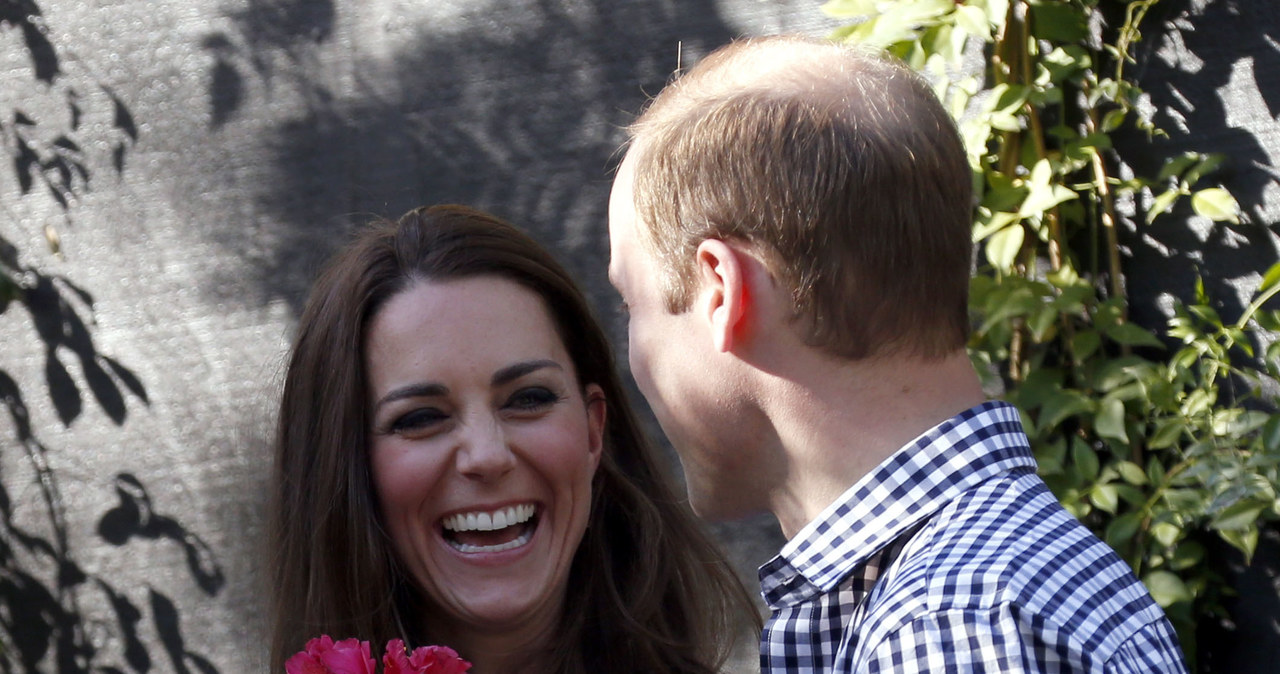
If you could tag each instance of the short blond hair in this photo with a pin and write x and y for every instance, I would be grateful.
(839, 165)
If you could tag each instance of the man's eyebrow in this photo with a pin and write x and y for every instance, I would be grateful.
(515, 371)
(412, 391)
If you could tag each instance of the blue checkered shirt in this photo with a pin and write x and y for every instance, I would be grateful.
(953, 556)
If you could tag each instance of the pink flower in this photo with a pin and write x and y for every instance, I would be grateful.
(323, 656)
(423, 660)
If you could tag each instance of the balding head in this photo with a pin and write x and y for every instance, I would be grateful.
(840, 166)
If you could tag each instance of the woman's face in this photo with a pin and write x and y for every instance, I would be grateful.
(483, 448)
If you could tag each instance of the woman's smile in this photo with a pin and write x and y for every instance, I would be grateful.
(483, 446)
(486, 531)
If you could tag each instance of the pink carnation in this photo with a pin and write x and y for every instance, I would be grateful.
(324, 656)
(423, 660)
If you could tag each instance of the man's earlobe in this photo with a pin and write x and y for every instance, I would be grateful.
(723, 290)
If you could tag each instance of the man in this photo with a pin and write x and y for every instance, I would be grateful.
(790, 233)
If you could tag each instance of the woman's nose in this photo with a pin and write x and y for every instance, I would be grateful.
(484, 453)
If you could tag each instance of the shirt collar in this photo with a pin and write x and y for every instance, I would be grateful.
(908, 487)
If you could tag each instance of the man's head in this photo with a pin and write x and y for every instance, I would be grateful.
(839, 172)
(839, 165)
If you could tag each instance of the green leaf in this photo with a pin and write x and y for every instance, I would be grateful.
(1132, 473)
(1165, 533)
(1216, 204)
(1239, 516)
(1004, 104)
(1188, 555)
(1084, 343)
(1051, 456)
(1155, 472)
(1122, 529)
(1042, 324)
(1162, 204)
(1003, 247)
(1017, 301)
(1176, 165)
(1271, 434)
(1131, 495)
(1058, 22)
(1131, 334)
(1113, 120)
(1084, 458)
(1060, 405)
(1002, 194)
(997, 10)
(1269, 279)
(973, 20)
(1241, 423)
(1062, 62)
(1167, 433)
(1110, 420)
(1166, 588)
(1244, 540)
(903, 21)
(1116, 372)
(1206, 164)
(1105, 497)
(997, 221)
(1041, 199)
(1038, 386)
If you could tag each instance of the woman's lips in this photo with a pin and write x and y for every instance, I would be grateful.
(490, 531)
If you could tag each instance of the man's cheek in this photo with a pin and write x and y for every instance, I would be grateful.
(638, 359)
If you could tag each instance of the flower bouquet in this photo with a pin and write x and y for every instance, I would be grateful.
(350, 656)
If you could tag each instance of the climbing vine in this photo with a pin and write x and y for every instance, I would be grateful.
(1160, 441)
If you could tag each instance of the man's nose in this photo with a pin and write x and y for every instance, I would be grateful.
(484, 453)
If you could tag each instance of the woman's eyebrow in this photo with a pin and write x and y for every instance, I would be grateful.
(515, 371)
(412, 391)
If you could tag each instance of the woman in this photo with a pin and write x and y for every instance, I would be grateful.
(456, 464)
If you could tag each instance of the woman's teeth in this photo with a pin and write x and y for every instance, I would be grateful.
(517, 542)
(483, 521)
(490, 531)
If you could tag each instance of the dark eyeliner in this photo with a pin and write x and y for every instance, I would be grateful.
(533, 398)
(415, 419)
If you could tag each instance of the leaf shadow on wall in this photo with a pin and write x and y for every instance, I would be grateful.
(1188, 70)
(518, 112)
(1197, 84)
(45, 594)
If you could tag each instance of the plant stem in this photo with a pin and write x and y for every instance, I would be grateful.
(1256, 305)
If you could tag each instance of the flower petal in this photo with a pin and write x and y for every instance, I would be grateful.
(349, 656)
(438, 660)
(395, 659)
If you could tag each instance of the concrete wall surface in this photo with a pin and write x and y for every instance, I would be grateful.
(176, 170)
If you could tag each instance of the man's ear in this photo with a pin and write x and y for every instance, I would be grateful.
(723, 291)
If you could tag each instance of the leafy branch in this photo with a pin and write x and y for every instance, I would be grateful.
(1157, 442)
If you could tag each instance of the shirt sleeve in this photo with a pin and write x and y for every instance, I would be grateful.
(996, 639)
(1154, 648)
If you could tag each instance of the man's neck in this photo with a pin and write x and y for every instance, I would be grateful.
(836, 422)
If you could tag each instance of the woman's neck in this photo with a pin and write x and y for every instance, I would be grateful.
(525, 649)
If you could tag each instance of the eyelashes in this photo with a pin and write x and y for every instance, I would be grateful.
(416, 419)
(533, 398)
(526, 402)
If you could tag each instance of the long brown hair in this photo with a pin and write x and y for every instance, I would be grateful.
(648, 591)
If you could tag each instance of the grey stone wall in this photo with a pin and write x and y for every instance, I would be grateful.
(220, 150)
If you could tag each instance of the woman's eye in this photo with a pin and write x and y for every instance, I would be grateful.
(417, 420)
(532, 398)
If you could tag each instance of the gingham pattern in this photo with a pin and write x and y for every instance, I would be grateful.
(953, 556)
